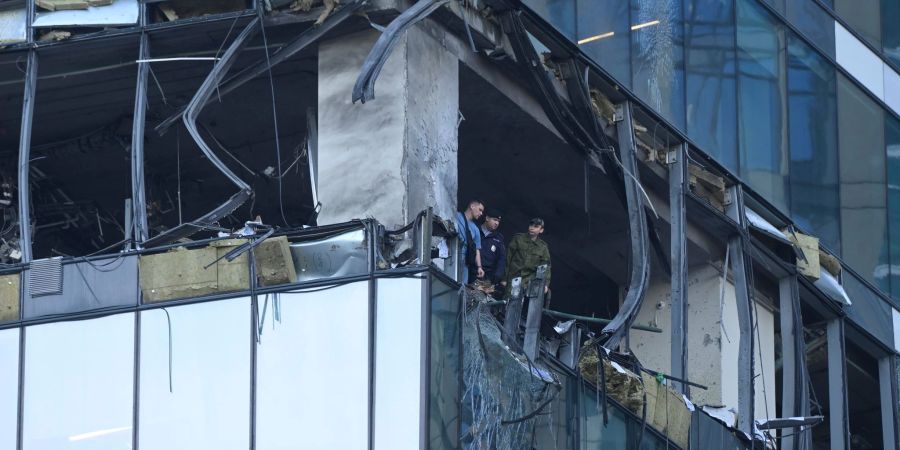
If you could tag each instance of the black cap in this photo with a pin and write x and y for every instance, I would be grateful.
(536, 221)
(493, 212)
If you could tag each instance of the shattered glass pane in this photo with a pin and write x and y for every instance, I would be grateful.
(657, 53)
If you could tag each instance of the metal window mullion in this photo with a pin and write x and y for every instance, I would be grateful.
(839, 426)
(742, 288)
(254, 308)
(885, 384)
(25, 156)
(372, 313)
(136, 384)
(677, 190)
(425, 367)
(138, 192)
(795, 396)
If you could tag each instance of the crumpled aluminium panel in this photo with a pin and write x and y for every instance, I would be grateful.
(335, 256)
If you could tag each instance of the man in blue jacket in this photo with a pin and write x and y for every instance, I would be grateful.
(465, 226)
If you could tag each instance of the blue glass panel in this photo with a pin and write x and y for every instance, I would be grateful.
(863, 16)
(594, 435)
(657, 56)
(446, 373)
(813, 22)
(812, 108)
(862, 179)
(761, 103)
(710, 71)
(560, 14)
(603, 34)
(890, 38)
(892, 139)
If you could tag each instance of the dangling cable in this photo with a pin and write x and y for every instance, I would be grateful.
(262, 27)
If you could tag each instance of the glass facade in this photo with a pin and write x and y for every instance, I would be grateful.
(892, 138)
(79, 388)
(767, 103)
(9, 392)
(710, 78)
(445, 366)
(194, 394)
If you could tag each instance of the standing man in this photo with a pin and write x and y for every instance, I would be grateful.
(526, 252)
(470, 240)
(493, 247)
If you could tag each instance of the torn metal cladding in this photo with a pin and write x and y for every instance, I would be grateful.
(262, 65)
(364, 89)
(204, 93)
(639, 277)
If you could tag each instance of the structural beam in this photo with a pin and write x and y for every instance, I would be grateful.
(742, 294)
(795, 391)
(677, 219)
(639, 255)
(886, 376)
(25, 155)
(837, 386)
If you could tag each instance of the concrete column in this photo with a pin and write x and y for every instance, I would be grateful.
(396, 155)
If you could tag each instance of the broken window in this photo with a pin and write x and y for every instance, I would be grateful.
(13, 66)
(863, 399)
(81, 148)
(57, 20)
(259, 131)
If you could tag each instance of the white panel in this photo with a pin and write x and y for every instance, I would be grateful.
(896, 315)
(398, 364)
(892, 88)
(121, 12)
(313, 370)
(9, 388)
(12, 26)
(857, 59)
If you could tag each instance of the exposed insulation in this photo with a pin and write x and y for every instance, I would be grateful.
(9, 297)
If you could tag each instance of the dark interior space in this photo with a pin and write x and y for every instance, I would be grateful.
(82, 135)
(816, 342)
(863, 399)
(515, 164)
(240, 128)
(81, 147)
(12, 82)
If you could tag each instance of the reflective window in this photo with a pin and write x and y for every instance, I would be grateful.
(657, 56)
(559, 13)
(594, 435)
(398, 364)
(864, 17)
(446, 355)
(553, 429)
(79, 390)
(761, 102)
(813, 22)
(9, 393)
(710, 70)
(603, 34)
(312, 370)
(198, 396)
(892, 138)
(862, 179)
(890, 17)
(813, 142)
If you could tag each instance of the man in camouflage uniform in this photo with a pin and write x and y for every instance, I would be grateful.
(527, 251)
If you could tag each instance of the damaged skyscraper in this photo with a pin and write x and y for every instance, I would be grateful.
(228, 224)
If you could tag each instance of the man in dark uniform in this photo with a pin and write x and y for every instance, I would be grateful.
(526, 252)
(493, 247)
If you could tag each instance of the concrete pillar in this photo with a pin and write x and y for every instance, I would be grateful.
(396, 155)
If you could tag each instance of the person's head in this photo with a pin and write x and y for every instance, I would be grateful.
(474, 210)
(535, 227)
(491, 219)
